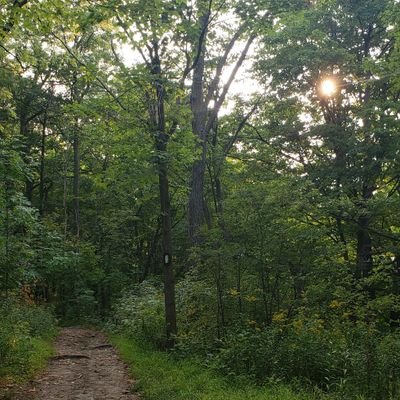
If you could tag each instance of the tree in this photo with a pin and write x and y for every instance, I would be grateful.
(152, 24)
(344, 143)
(203, 93)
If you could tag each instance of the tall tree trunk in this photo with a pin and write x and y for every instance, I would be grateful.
(265, 288)
(220, 300)
(364, 262)
(199, 111)
(7, 242)
(161, 141)
(364, 241)
(42, 161)
(65, 192)
(196, 198)
(24, 132)
(205, 117)
(169, 279)
(76, 184)
(364, 248)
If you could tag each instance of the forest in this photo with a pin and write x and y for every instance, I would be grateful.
(214, 182)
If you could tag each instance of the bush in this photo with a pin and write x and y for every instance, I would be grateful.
(81, 307)
(388, 359)
(354, 360)
(24, 330)
(140, 313)
(162, 377)
(374, 363)
(282, 354)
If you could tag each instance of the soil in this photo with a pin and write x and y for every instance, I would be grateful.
(85, 367)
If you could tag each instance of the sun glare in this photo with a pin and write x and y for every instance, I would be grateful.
(328, 87)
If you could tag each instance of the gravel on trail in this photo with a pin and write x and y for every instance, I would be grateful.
(85, 367)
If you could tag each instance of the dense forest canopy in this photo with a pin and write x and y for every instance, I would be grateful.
(263, 229)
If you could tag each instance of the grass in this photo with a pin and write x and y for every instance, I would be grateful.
(27, 361)
(41, 352)
(161, 377)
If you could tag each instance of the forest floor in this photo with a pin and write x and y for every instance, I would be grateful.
(84, 367)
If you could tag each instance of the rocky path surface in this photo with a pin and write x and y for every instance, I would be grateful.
(85, 367)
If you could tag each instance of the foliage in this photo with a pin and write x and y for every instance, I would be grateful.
(344, 360)
(139, 313)
(294, 274)
(330, 352)
(161, 377)
(25, 334)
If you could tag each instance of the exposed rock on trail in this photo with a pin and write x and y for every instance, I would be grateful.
(85, 367)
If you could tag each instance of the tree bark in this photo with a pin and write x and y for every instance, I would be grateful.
(220, 301)
(364, 241)
(364, 248)
(42, 166)
(76, 184)
(199, 111)
(24, 132)
(204, 120)
(161, 142)
(7, 222)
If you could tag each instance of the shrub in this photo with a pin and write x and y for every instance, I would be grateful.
(23, 332)
(140, 313)
(388, 359)
(374, 363)
(354, 360)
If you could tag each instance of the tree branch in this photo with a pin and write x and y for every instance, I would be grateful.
(11, 22)
(221, 64)
(133, 43)
(94, 73)
(200, 43)
(221, 99)
(239, 128)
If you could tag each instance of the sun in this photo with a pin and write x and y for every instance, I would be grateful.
(328, 87)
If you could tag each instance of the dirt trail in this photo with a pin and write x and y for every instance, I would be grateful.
(85, 367)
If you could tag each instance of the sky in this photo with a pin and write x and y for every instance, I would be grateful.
(244, 85)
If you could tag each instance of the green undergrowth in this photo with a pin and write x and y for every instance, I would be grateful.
(162, 377)
(37, 353)
(41, 351)
(26, 340)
